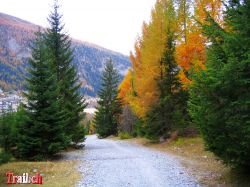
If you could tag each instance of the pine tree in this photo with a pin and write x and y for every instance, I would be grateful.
(220, 99)
(109, 109)
(7, 131)
(169, 112)
(61, 56)
(42, 134)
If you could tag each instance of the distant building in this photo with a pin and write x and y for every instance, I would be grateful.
(9, 102)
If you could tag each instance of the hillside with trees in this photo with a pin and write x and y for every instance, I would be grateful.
(50, 119)
(183, 106)
(16, 38)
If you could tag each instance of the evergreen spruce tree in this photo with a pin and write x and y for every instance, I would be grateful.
(109, 105)
(60, 55)
(42, 134)
(171, 110)
(7, 131)
(220, 99)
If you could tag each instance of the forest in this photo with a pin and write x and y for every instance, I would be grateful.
(190, 75)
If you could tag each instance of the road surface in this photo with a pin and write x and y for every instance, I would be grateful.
(112, 163)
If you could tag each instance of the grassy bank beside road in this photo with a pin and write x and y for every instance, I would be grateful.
(54, 173)
(202, 164)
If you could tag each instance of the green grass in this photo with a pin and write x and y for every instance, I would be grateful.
(124, 135)
(55, 173)
(185, 141)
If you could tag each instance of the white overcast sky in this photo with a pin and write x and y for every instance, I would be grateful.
(113, 24)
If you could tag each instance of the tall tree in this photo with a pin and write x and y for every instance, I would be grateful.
(42, 134)
(191, 46)
(8, 136)
(220, 100)
(125, 88)
(60, 54)
(146, 61)
(169, 111)
(183, 20)
(109, 105)
(132, 79)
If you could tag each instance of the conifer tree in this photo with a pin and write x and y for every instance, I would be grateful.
(42, 134)
(7, 131)
(220, 99)
(109, 109)
(60, 54)
(170, 110)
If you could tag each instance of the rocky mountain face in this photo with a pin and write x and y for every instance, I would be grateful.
(16, 36)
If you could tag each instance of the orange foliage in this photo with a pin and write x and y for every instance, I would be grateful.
(139, 88)
(148, 53)
(190, 53)
(213, 7)
(125, 87)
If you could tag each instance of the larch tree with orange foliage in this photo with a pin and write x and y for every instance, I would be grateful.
(147, 60)
(125, 88)
(170, 110)
(128, 87)
(145, 87)
(191, 48)
(146, 63)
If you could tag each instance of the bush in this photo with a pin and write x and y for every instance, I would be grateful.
(79, 134)
(154, 127)
(8, 135)
(124, 135)
(5, 157)
(87, 127)
(139, 128)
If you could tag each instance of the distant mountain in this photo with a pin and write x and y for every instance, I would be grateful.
(16, 35)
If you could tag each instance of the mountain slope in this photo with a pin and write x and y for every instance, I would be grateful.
(16, 35)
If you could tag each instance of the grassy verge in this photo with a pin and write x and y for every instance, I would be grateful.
(201, 164)
(55, 173)
(124, 135)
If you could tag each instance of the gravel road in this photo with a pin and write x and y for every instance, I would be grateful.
(112, 163)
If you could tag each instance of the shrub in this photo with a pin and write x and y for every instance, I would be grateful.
(139, 128)
(5, 157)
(124, 135)
(8, 135)
(79, 134)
